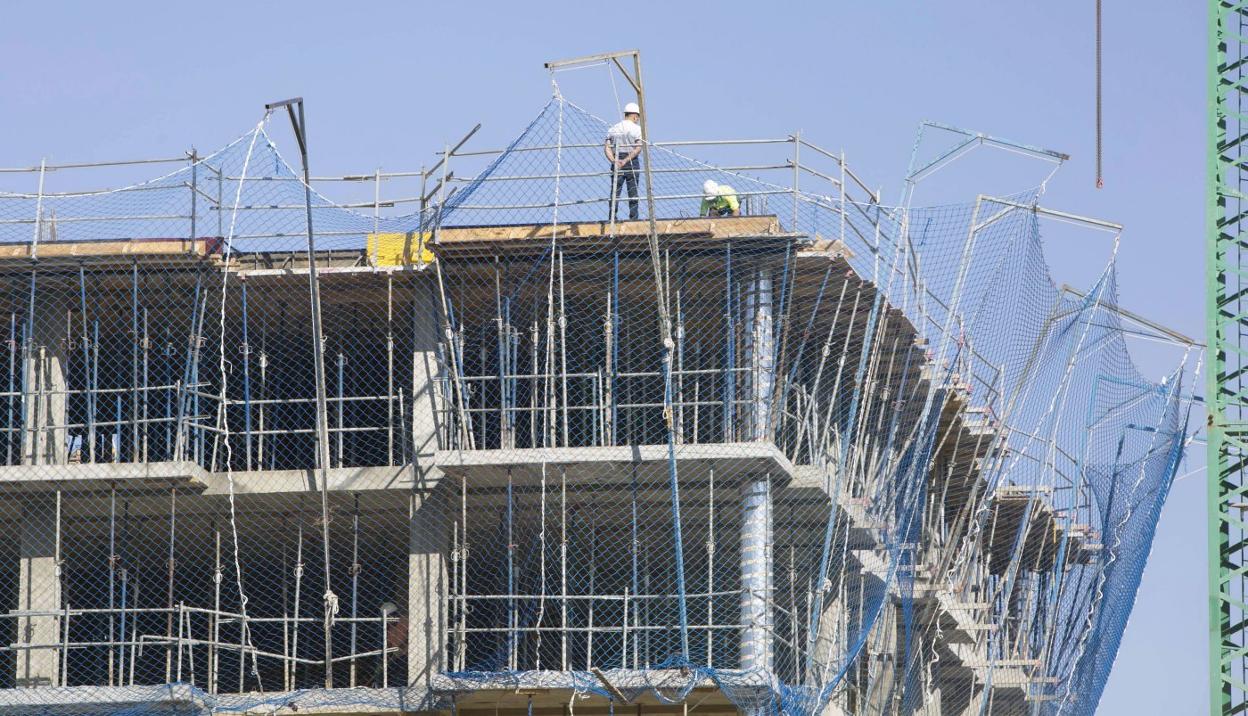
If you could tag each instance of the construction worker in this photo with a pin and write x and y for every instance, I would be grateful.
(396, 645)
(719, 200)
(622, 147)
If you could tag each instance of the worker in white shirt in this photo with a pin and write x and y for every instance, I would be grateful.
(719, 200)
(622, 147)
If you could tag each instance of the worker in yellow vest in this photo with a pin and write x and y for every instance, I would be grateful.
(719, 200)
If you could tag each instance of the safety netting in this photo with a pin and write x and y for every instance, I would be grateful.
(540, 443)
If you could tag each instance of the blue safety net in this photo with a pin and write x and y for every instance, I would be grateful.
(649, 432)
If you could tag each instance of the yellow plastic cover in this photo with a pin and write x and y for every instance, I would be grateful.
(399, 249)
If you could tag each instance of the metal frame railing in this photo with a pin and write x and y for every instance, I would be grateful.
(179, 644)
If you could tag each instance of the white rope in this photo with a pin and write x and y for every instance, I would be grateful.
(619, 110)
(222, 413)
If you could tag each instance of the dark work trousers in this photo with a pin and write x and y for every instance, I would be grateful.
(626, 174)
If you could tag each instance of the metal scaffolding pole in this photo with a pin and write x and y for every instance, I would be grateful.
(318, 365)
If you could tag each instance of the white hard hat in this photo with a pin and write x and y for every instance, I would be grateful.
(632, 108)
(710, 188)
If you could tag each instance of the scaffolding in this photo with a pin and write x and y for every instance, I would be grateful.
(263, 451)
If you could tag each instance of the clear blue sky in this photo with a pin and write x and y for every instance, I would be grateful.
(388, 83)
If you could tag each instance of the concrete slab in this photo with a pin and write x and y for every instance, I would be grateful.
(101, 476)
(732, 463)
(189, 476)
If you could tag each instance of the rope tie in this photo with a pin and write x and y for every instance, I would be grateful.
(331, 605)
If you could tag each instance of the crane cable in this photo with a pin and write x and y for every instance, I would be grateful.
(1100, 182)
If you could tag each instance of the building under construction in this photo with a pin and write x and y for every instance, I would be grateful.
(498, 451)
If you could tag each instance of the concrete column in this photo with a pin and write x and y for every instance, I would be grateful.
(427, 589)
(760, 355)
(425, 419)
(757, 650)
(45, 401)
(828, 647)
(757, 587)
(39, 589)
(882, 654)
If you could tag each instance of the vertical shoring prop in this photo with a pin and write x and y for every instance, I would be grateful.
(680, 356)
(292, 665)
(710, 565)
(503, 442)
(534, 342)
(513, 360)
(511, 575)
(63, 603)
(342, 403)
(193, 383)
(134, 618)
(147, 358)
(541, 556)
(118, 423)
(613, 345)
(593, 584)
(173, 526)
(285, 574)
(355, 584)
(169, 380)
(634, 547)
(123, 575)
(94, 378)
(550, 417)
(390, 368)
(730, 340)
(86, 364)
(463, 576)
(563, 350)
(264, 390)
(182, 433)
(214, 657)
(135, 388)
(563, 568)
(457, 595)
(12, 389)
(28, 356)
(112, 576)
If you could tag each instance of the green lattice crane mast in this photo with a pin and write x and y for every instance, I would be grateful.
(1227, 313)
